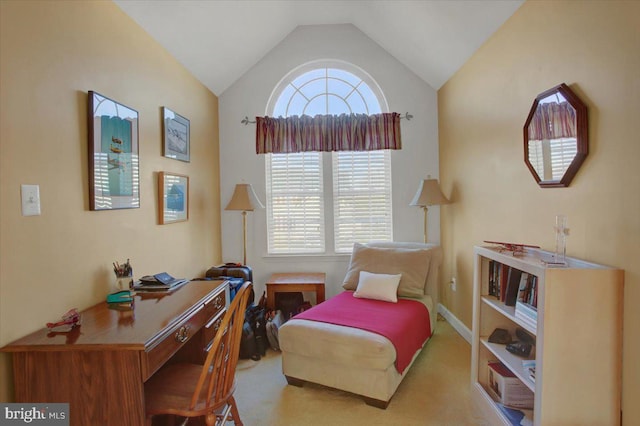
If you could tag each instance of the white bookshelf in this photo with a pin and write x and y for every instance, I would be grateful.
(578, 333)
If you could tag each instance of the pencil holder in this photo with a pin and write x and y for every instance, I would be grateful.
(124, 276)
(123, 283)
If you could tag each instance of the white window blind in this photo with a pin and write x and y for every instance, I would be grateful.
(563, 151)
(361, 198)
(552, 158)
(295, 203)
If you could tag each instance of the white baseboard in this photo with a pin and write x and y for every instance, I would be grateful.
(455, 323)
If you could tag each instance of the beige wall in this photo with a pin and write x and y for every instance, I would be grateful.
(52, 53)
(594, 47)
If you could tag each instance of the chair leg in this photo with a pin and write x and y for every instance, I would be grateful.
(235, 414)
(210, 419)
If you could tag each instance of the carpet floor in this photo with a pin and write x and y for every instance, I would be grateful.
(434, 392)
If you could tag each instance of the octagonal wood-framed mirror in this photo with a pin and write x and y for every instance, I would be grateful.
(556, 139)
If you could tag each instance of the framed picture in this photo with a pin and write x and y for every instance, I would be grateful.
(173, 197)
(176, 135)
(114, 175)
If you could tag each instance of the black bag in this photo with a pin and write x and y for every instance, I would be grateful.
(289, 303)
(248, 349)
(234, 286)
(233, 272)
(254, 334)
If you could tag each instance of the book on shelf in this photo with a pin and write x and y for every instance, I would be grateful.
(527, 291)
(529, 367)
(527, 363)
(516, 416)
(492, 278)
(503, 276)
(497, 279)
(533, 298)
(513, 284)
(522, 287)
(532, 373)
(527, 314)
(529, 322)
(526, 309)
(505, 388)
(509, 284)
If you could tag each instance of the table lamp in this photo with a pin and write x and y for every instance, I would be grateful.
(244, 199)
(429, 194)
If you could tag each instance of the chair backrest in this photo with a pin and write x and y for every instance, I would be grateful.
(219, 369)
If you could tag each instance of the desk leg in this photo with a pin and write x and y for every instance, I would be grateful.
(319, 293)
(271, 297)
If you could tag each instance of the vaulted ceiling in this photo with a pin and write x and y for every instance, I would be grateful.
(218, 41)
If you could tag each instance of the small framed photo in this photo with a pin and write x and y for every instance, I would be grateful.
(176, 136)
(114, 181)
(173, 198)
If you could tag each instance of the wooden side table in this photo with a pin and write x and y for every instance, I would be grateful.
(288, 282)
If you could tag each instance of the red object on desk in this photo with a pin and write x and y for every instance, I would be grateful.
(72, 317)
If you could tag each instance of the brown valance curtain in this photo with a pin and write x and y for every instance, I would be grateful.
(553, 121)
(345, 132)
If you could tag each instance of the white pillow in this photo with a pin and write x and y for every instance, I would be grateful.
(378, 286)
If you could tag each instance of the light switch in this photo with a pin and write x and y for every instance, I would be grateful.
(30, 200)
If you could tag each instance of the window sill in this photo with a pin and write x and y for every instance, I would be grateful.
(321, 257)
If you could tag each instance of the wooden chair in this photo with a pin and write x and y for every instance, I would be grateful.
(191, 390)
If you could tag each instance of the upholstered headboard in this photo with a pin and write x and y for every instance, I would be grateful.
(432, 284)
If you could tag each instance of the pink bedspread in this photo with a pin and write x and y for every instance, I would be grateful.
(406, 323)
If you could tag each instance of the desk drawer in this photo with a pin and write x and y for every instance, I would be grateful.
(215, 310)
(210, 330)
(215, 305)
(176, 337)
(173, 340)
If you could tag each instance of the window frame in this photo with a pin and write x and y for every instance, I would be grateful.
(327, 160)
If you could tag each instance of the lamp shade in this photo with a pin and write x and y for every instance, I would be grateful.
(429, 194)
(244, 199)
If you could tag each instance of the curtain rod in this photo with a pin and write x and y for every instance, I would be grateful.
(246, 120)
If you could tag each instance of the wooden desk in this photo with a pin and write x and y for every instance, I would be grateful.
(100, 367)
(288, 282)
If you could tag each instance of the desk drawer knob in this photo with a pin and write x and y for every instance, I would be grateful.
(182, 335)
(216, 325)
(218, 302)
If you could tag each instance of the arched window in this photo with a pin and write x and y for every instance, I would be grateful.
(354, 203)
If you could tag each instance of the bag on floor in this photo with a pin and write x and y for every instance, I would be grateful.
(248, 348)
(254, 334)
(306, 305)
(234, 286)
(289, 303)
(273, 324)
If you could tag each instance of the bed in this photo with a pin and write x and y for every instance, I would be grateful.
(355, 360)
